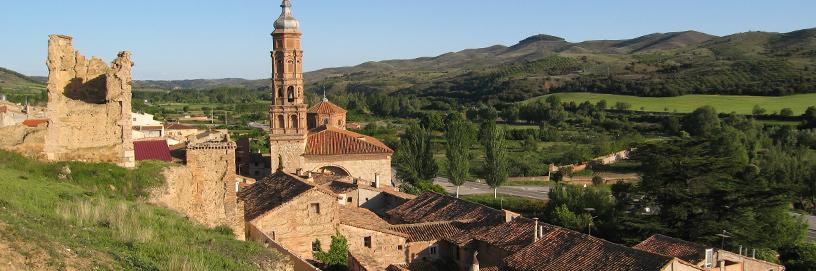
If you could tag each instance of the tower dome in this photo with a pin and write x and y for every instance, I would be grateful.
(286, 21)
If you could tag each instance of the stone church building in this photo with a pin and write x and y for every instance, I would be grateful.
(314, 139)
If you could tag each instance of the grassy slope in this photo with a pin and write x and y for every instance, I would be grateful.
(97, 220)
(688, 103)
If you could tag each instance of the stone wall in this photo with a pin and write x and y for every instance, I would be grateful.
(24, 140)
(386, 248)
(89, 106)
(205, 190)
(358, 166)
(295, 226)
(291, 149)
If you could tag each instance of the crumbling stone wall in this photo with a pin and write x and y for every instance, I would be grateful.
(89, 106)
(28, 141)
(205, 189)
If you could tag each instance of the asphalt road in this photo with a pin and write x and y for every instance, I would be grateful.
(470, 188)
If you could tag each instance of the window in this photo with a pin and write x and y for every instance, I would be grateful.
(367, 241)
(293, 122)
(291, 94)
(350, 199)
(340, 123)
(314, 208)
(316, 245)
(280, 92)
(432, 250)
(399, 247)
(281, 122)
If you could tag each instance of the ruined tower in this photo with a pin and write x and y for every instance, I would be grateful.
(288, 110)
(88, 106)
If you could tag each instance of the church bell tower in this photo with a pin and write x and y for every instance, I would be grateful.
(288, 110)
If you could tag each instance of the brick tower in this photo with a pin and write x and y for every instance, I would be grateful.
(288, 110)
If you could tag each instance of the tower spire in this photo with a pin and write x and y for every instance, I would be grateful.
(286, 19)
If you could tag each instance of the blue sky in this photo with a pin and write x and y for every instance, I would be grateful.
(187, 39)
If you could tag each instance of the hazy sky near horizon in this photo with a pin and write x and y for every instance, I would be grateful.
(190, 39)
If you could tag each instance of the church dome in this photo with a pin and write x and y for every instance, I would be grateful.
(286, 20)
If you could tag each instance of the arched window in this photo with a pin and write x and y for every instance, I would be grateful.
(280, 92)
(291, 94)
(281, 122)
(325, 121)
(293, 122)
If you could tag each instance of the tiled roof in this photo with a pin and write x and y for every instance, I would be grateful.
(446, 230)
(365, 219)
(147, 128)
(152, 150)
(3, 109)
(178, 126)
(334, 141)
(35, 122)
(433, 207)
(272, 192)
(326, 107)
(398, 267)
(511, 236)
(492, 268)
(565, 250)
(340, 187)
(673, 247)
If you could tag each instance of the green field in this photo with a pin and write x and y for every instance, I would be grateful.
(687, 103)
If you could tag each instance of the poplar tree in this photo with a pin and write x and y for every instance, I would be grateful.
(460, 136)
(414, 158)
(495, 168)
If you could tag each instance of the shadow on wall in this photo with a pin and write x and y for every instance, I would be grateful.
(93, 91)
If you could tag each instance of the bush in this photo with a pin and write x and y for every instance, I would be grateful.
(597, 180)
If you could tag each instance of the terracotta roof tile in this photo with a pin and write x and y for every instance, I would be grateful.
(334, 141)
(152, 150)
(565, 250)
(178, 126)
(433, 207)
(398, 267)
(452, 231)
(326, 107)
(35, 122)
(365, 219)
(673, 247)
(511, 236)
(272, 192)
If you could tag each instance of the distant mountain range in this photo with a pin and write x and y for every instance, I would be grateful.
(660, 64)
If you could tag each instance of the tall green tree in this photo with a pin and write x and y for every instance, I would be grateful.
(414, 158)
(702, 122)
(809, 118)
(495, 170)
(703, 186)
(460, 136)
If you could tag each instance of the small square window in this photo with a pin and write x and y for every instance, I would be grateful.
(314, 208)
(399, 247)
(432, 250)
(350, 199)
(367, 241)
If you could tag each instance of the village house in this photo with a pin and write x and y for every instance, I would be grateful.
(180, 132)
(706, 258)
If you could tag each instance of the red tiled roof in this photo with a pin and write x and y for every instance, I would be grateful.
(446, 230)
(433, 207)
(565, 250)
(3, 109)
(152, 150)
(365, 219)
(147, 128)
(334, 141)
(272, 192)
(511, 236)
(178, 126)
(326, 107)
(35, 122)
(673, 247)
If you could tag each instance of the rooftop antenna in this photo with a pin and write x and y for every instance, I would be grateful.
(723, 235)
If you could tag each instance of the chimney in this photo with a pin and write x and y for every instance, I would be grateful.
(722, 265)
(376, 180)
(475, 265)
(753, 253)
(740, 250)
(309, 177)
(535, 230)
(299, 172)
(354, 181)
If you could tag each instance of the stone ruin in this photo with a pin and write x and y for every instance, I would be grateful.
(89, 106)
(206, 189)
